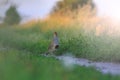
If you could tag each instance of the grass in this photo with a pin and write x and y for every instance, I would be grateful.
(74, 40)
(22, 65)
(20, 50)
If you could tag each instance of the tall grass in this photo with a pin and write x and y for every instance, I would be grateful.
(73, 39)
(21, 46)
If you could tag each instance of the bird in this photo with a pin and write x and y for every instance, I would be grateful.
(54, 45)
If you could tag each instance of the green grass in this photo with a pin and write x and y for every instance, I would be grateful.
(20, 50)
(22, 65)
(72, 40)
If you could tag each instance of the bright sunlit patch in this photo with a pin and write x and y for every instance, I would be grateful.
(109, 8)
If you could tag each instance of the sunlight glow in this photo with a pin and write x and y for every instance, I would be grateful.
(109, 8)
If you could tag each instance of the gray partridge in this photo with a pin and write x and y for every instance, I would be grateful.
(54, 45)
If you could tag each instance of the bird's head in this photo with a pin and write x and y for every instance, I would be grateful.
(55, 33)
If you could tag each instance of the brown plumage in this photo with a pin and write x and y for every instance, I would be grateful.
(54, 45)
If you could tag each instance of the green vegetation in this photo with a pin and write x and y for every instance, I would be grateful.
(76, 41)
(20, 49)
(21, 46)
(71, 5)
(22, 65)
(12, 16)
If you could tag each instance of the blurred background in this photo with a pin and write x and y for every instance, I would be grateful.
(88, 29)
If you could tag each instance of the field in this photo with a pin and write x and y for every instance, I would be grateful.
(17, 65)
(21, 46)
(73, 40)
